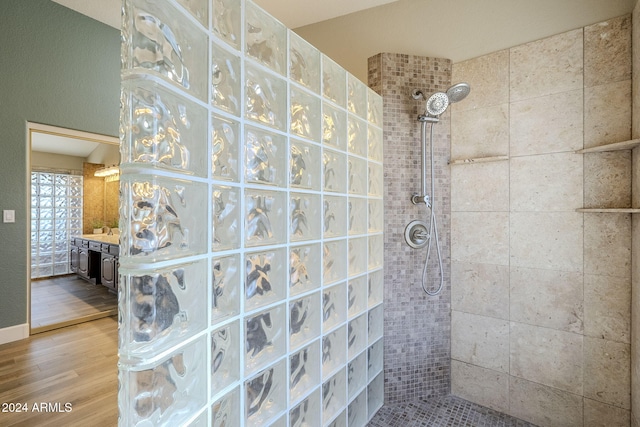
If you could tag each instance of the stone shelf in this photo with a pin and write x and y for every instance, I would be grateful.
(478, 160)
(624, 145)
(608, 210)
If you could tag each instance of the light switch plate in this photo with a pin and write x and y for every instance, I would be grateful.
(8, 216)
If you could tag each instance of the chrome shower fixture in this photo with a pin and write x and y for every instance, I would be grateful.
(438, 102)
(458, 92)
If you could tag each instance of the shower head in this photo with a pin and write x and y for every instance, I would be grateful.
(437, 103)
(458, 92)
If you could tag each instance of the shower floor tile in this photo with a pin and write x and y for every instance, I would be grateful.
(448, 411)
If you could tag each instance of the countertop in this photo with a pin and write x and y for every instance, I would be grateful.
(113, 239)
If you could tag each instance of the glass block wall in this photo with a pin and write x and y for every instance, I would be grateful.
(56, 215)
(251, 224)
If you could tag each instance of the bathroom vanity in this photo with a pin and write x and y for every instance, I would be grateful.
(94, 257)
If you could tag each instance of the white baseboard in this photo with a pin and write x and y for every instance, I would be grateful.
(14, 333)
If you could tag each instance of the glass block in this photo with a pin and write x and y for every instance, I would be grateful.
(280, 422)
(226, 292)
(375, 108)
(265, 217)
(356, 96)
(357, 136)
(340, 421)
(167, 391)
(334, 171)
(376, 323)
(304, 269)
(357, 374)
(225, 411)
(264, 398)
(375, 142)
(334, 351)
(375, 180)
(265, 157)
(160, 40)
(226, 214)
(334, 396)
(357, 411)
(357, 176)
(335, 216)
(225, 356)
(265, 278)
(357, 335)
(307, 412)
(334, 81)
(376, 215)
(225, 148)
(376, 287)
(334, 126)
(375, 395)
(357, 215)
(162, 129)
(305, 171)
(265, 38)
(160, 308)
(334, 309)
(375, 359)
(305, 217)
(265, 338)
(304, 371)
(334, 261)
(358, 293)
(226, 21)
(226, 73)
(198, 8)
(357, 256)
(305, 114)
(265, 98)
(376, 251)
(304, 62)
(304, 320)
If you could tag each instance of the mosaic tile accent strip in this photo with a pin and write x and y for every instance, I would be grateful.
(251, 211)
(417, 358)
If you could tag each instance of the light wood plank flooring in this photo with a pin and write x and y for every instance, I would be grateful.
(68, 300)
(75, 365)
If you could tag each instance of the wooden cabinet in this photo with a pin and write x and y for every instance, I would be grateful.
(95, 261)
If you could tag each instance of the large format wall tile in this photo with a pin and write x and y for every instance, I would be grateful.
(480, 289)
(479, 340)
(547, 66)
(600, 414)
(607, 244)
(607, 51)
(551, 241)
(480, 237)
(488, 77)
(606, 372)
(607, 307)
(483, 386)
(480, 187)
(557, 296)
(480, 132)
(534, 183)
(607, 113)
(547, 356)
(544, 406)
(607, 179)
(548, 124)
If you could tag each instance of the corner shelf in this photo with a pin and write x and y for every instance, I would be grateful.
(616, 146)
(608, 210)
(481, 159)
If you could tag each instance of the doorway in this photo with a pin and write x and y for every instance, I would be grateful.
(66, 200)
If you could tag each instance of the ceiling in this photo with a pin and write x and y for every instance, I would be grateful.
(59, 144)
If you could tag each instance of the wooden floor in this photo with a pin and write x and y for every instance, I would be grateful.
(68, 300)
(74, 366)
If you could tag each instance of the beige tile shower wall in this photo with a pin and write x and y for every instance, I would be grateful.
(417, 327)
(531, 275)
(635, 224)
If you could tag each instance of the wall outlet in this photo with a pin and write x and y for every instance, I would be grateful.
(8, 216)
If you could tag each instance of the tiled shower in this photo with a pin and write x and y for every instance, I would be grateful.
(252, 224)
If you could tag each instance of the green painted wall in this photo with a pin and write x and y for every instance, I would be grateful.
(60, 68)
